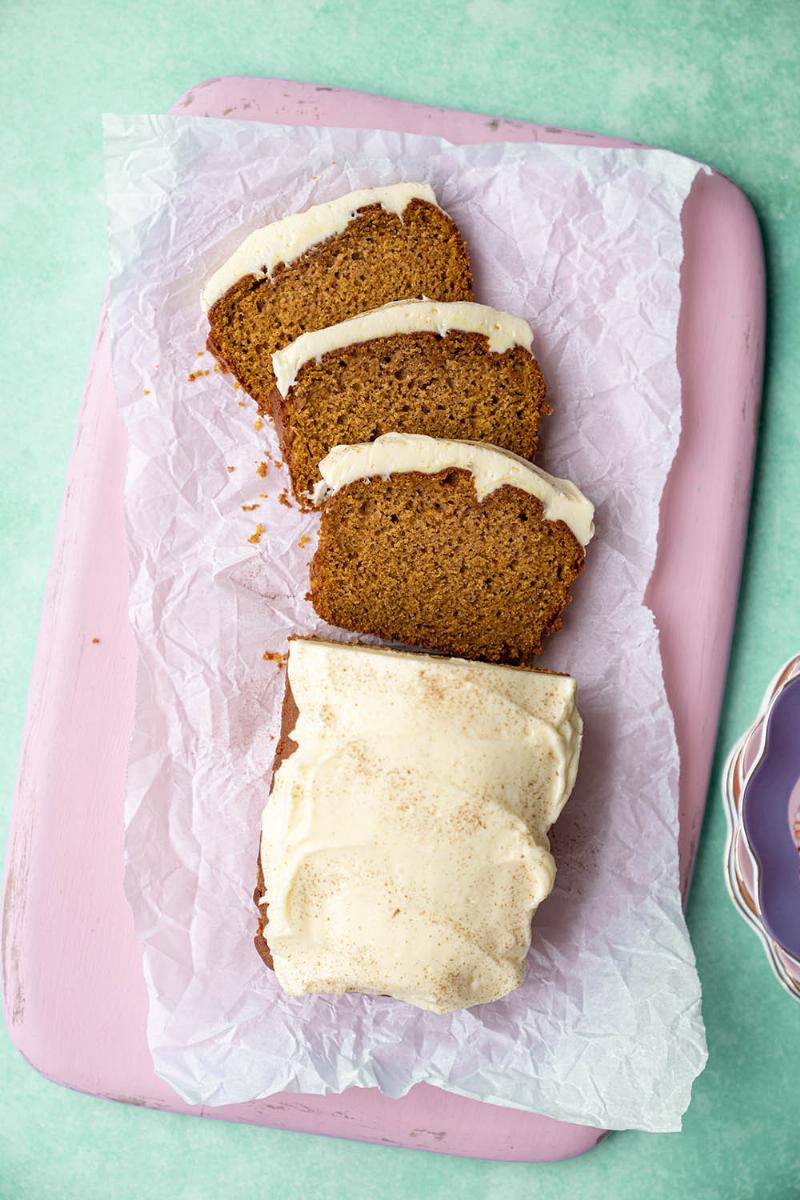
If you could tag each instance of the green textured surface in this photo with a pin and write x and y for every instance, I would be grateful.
(718, 80)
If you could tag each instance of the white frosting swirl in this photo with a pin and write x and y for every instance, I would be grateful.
(402, 316)
(404, 844)
(285, 240)
(491, 468)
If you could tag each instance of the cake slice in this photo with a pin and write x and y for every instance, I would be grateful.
(453, 546)
(414, 366)
(404, 844)
(318, 267)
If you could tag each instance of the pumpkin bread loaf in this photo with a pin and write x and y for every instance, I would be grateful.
(405, 786)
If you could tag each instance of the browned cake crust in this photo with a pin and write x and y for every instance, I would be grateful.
(417, 559)
(377, 258)
(285, 748)
(446, 387)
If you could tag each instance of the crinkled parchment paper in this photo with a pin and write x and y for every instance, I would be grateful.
(585, 243)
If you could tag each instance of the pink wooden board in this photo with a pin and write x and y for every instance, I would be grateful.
(74, 993)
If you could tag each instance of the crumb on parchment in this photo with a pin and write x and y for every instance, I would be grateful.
(95, 641)
(276, 657)
(304, 540)
(230, 470)
(255, 538)
(262, 469)
(250, 507)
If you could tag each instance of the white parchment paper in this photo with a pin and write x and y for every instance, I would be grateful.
(585, 243)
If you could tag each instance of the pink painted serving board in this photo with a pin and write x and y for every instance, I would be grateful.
(74, 992)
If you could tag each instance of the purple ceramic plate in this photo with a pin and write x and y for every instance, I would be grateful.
(771, 817)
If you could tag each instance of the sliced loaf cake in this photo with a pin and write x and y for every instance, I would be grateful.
(318, 267)
(448, 545)
(449, 370)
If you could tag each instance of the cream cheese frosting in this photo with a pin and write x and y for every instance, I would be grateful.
(503, 331)
(491, 468)
(404, 844)
(285, 240)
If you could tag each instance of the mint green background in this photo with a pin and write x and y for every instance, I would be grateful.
(718, 80)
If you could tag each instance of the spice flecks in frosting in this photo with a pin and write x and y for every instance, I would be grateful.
(404, 844)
